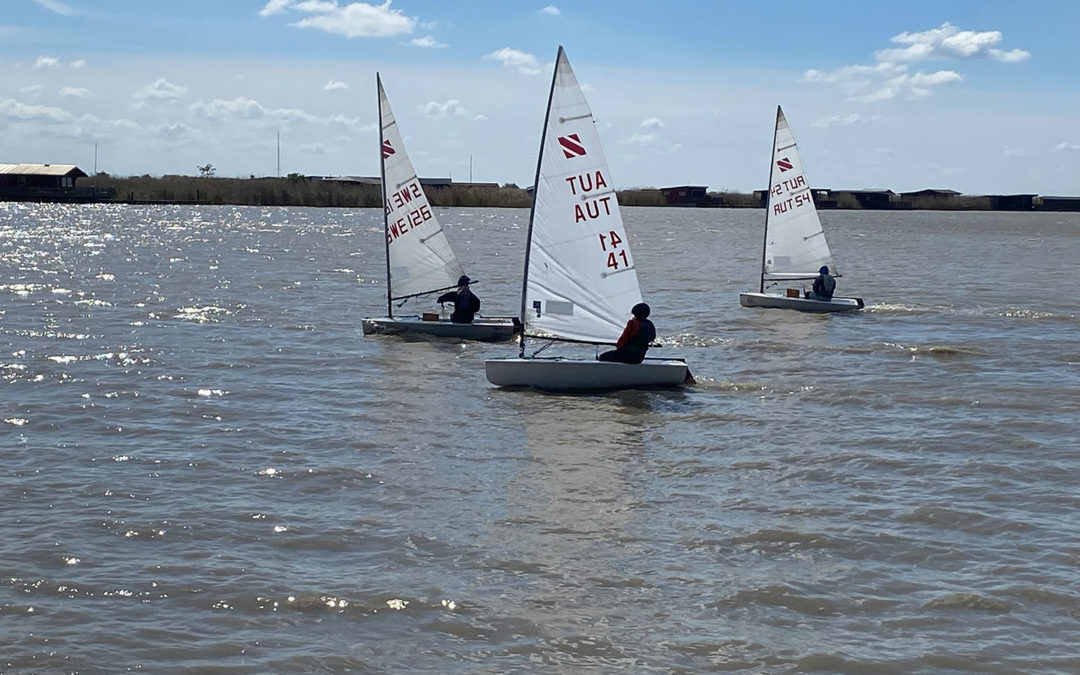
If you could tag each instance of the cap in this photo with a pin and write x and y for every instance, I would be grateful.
(464, 280)
(824, 269)
(641, 310)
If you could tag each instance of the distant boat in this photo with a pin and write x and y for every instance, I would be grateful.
(579, 281)
(795, 246)
(419, 260)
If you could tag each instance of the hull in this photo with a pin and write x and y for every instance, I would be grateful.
(801, 304)
(580, 375)
(486, 330)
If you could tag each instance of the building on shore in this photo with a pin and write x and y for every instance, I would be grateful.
(690, 195)
(1058, 204)
(47, 183)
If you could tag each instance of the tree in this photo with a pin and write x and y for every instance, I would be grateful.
(206, 171)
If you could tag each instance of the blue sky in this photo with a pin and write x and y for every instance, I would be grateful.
(977, 96)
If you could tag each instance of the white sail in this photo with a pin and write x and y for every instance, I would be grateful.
(580, 280)
(795, 245)
(419, 256)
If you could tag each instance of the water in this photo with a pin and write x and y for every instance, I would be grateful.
(207, 466)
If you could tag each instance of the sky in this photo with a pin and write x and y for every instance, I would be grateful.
(979, 96)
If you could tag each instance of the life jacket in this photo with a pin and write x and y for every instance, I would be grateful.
(824, 285)
(638, 335)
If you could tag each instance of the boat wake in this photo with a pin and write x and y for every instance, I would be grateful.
(691, 340)
(1000, 312)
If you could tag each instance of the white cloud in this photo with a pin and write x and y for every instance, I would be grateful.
(480, 118)
(652, 123)
(551, 10)
(451, 107)
(891, 77)
(78, 63)
(275, 7)
(513, 59)
(160, 89)
(848, 120)
(73, 92)
(1066, 146)
(314, 148)
(174, 131)
(32, 89)
(334, 85)
(949, 42)
(1011, 56)
(355, 19)
(47, 62)
(12, 109)
(638, 139)
(243, 108)
(1012, 153)
(58, 7)
(428, 42)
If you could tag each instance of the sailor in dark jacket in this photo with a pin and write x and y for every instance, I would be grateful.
(466, 304)
(824, 285)
(635, 338)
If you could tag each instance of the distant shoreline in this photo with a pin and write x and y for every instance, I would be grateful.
(298, 190)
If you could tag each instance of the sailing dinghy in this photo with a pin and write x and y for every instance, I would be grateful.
(419, 260)
(795, 246)
(579, 282)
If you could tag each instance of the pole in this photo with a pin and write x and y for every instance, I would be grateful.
(279, 154)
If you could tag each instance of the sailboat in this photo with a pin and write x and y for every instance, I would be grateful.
(419, 260)
(579, 280)
(795, 246)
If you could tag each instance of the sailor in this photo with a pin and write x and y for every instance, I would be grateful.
(824, 285)
(635, 338)
(466, 304)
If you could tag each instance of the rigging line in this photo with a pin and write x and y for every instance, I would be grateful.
(423, 240)
(571, 119)
(407, 180)
(786, 147)
(542, 348)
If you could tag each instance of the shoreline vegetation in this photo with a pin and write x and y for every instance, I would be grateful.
(299, 190)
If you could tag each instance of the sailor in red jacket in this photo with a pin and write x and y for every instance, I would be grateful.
(635, 338)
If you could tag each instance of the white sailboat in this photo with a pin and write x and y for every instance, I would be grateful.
(580, 281)
(419, 260)
(795, 246)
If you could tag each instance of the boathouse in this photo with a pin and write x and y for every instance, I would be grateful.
(46, 183)
(689, 195)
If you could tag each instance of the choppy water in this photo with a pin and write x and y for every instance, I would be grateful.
(206, 466)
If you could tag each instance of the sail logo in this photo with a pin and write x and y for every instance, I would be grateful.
(387, 149)
(784, 163)
(571, 146)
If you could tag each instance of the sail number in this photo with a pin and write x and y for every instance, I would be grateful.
(613, 241)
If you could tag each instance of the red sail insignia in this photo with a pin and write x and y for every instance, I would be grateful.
(572, 146)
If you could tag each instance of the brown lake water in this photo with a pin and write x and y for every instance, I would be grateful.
(208, 467)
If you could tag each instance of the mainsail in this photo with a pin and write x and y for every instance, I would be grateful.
(795, 245)
(580, 281)
(419, 258)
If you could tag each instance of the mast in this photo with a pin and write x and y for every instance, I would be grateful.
(768, 199)
(382, 192)
(532, 210)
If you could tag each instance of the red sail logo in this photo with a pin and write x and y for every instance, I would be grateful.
(387, 149)
(571, 146)
(784, 164)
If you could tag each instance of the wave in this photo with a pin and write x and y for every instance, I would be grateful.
(1008, 312)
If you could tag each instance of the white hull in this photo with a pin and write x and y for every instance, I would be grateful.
(579, 375)
(801, 304)
(485, 330)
